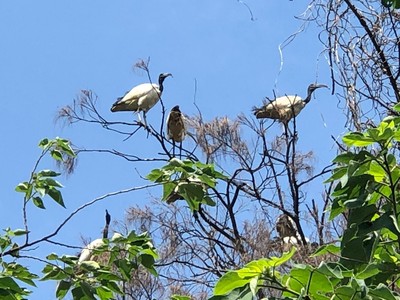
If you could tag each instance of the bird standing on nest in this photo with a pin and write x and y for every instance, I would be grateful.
(87, 252)
(286, 107)
(141, 98)
(176, 129)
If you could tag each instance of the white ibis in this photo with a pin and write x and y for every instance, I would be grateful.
(176, 129)
(86, 253)
(286, 107)
(141, 98)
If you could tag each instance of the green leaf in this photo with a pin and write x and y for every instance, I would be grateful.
(243, 293)
(48, 173)
(113, 287)
(192, 193)
(56, 154)
(9, 284)
(104, 293)
(78, 294)
(254, 269)
(305, 277)
(338, 173)
(56, 195)
(155, 175)
(19, 232)
(88, 290)
(175, 162)
(344, 158)
(346, 292)
(38, 202)
(228, 282)
(52, 256)
(62, 289)
(22, 187)
(147, 261)
(52, 183)
(397, 106)
(209, 181)
(178, 297)
(382, 292)
(65, 146)
(327, 249)
(44, 143)
(369, 271)
(208, 201)
(90, 265)
(332, 270)
(377, 171)
(53, 273)
(357, 139)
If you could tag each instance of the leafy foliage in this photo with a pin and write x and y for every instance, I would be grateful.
(187, 180)
(367, 191)
(42, 183)
(102, 277)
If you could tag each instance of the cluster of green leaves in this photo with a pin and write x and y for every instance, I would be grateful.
(42, 183)
(186, 180)
(102, 276)
(391, 3)
(367, 193)
(244, 283)
(12, 271)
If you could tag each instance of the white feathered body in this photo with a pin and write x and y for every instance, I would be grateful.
(282, 108)
(141, 98)
(87, 252)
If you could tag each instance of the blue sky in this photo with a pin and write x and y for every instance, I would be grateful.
(51, 50)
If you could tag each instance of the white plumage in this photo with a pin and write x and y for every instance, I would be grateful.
(87, 252)
(286, 107)
(141, 98)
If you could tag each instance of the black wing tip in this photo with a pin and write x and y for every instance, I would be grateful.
(116, 104)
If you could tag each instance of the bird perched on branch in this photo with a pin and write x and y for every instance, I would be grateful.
(176, 129)
(286, 107)
(141, 98)
(286, 227)
(87, 252)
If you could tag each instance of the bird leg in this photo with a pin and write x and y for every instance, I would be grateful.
(145, 120)
(139, 118)
(173, 148)
(180, 150)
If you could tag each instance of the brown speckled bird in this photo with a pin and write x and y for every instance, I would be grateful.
(176, 128)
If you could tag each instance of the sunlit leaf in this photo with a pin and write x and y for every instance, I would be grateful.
(228, 282)
(357, 139)
(22, 187)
